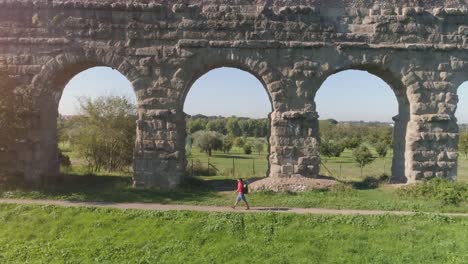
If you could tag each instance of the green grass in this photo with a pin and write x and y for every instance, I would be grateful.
(47, 234)
(220, 192)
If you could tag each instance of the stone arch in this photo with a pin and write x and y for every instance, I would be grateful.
(400, 171)
(208, 60)
(185, 77)
(60, 69)
(48, 86)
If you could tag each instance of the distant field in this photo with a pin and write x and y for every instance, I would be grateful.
(237, 164)
(233, 164)
(47, 234)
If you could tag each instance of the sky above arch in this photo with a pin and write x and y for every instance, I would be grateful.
(345, 96)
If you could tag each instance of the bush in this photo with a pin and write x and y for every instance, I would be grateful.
(105, 133)
(248, 149)
(64, 160)
(448, 192)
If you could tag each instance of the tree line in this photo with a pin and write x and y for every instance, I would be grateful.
(234, 126)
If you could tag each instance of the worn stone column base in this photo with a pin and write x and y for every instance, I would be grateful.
(291, 184)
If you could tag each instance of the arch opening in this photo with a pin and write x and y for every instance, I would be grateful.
(355, 110)
(230, 108)
(461, 115)
(90, 121)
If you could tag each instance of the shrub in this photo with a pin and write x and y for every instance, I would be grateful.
(64, 160)
(448, 192)
(248, 149)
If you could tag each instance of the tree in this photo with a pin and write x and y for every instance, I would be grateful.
(463, 144)
(228, 142)
(245, 127)
(196, 125)
(207, 141)
(352, 142)
(331, 149)
(258, 145)
(217, 125)
(382, 149)
(105, 136)
(232, 126)
(363, 156)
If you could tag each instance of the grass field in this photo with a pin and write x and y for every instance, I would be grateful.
(47, 234)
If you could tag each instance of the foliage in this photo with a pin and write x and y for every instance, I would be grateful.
(64, 160)
(382, 149)
(363, 156)
(239, 142)
(352, 142)
(207, 141)
(217, 125)
(331, 149)
(353, 134)
(105, 136)
(247, 149)
(196, 125)
(228, 143)
(450, 193)
(463, 144)
(259, 145)
(233, 126)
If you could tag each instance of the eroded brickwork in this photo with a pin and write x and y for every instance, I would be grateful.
(420, 48)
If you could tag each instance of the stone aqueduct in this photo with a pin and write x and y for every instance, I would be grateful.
(419, 47)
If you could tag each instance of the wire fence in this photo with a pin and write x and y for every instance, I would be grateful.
(229, 167)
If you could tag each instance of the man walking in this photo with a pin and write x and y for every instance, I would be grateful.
(241, 191)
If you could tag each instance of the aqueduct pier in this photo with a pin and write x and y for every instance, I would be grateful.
(419, 47)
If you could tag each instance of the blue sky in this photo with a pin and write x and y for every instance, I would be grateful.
(348, 95)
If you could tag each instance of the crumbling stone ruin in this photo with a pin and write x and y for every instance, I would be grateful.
(419, 47)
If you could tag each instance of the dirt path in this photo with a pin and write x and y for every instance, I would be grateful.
(200, 208)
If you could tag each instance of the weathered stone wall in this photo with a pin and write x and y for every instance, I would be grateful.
(420, 48)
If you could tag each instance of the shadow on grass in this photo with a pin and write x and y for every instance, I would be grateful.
(72, 187)
(370, 182)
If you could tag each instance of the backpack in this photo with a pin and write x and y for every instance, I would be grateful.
(245, 188)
